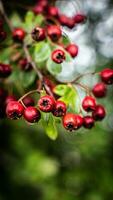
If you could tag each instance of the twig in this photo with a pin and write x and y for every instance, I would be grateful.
(27, 94)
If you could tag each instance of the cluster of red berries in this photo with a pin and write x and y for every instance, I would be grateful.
(3, 34)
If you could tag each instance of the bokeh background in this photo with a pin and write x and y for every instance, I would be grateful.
(77, 166)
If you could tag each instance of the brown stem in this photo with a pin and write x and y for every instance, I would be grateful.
(87, 89)
(81, 76)
(28, 93)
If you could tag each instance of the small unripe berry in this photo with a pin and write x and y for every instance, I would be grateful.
(14, 110)
(5, 70)
(54, 32)
(46, 103)
(79, 18)
(25, 65)
(28, 101)
(3, 35)
(60, 109)
(99, 113)
(18, 35)
(38, 34)
(99, 90)
(9, 98)
(52, 11)
(31, 114)
(89, 103)
(72, 49)
(88, 122)
(69, 122)
(58, 56)
(107, 76)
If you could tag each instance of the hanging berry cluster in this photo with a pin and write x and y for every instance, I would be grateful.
(37, 49)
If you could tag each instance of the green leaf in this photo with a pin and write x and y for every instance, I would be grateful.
(42, 52)
(27, 78)
(61, 89)
(66, 40)
(49, 125)
(16, 20)
(53, 67)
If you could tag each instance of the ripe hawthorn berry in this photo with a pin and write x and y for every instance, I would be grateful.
(107, 76)
(10, 98)
(52, 11)
(54, 32)
(58, 56)
(28, 101)
(43, 3)
(46, 103)
(38, 9)
(89, 103)
(99, 113)
(79, 18)
(59, 109)
(25, 65)
(88, 122)
(79, 121)
(69, 122)
(38, 34)
(70, 22)
(18, 34)
(99, 90)
(3, 35)
(32, 114)
(72, 49)
(14, 110)
(64, 20)
(5, 70)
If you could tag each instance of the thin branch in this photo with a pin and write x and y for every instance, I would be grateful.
(27, 94)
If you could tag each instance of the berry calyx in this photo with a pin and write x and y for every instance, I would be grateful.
(28, 101)
(25, 65)
(58, 56)
(46, 103)
(99, 90)
(89, 103)
(107, 76)
(59, 109)
(69, 122)
(14, 110)
(38, 34)
(5, 70)
(54, 32)
(32, 114)
(88, 122)
(72, 49)
(18, 35)
(99, 113)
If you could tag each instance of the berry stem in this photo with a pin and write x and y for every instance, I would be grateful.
(28, 93)
(87, 89)
(81, 76)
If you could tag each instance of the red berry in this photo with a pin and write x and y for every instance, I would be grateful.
(9, 98)
(99, 113)
(46, 103)
(69, 122)
(89, 103)
(99, 90)
(14, 110)
(63, 19)
(72, 49)
(3, 35)
(79, 121)
(18, 34)
(58, 56)
(5, 70)
(32, 115)
(54, 32)
(107, 76)
(52, 11)
(28, 101)
(38, 9)
(60, 109)
(79, 18)
(88, 122)
(43, 3)
(38, 34)
(25, 65)
(70, 22)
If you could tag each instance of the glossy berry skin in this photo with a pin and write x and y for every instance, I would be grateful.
(3, 35)
(25, 65)
(28, 101)
(38, 34)
(9, 98)
(72, 49)
(70, 23)
(31, 114)
(46, 103)
(58, 56)
(88, 122)
(99, 90)
(5, 70)
(63, 19)
(60, 109)
(89, 103)
(99, 113)
(79, 18)
(54, 32)
(52, 11)
(69, 122)
(18, 35)
(38, 9)
(107, 76)
(79, 121)
(14, 110)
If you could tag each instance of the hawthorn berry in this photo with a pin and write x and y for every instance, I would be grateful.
(99, 113)
(58, 56)
(72, 49)
(14, 110)
(32, 114)
(99, 90)
(3, 35)
(70, 22)
(10, 98)
(43, 3)
(38, 9)
(54, 32)
(25, 65)
(18, 34)
(63, 19)
(79, 121)
(88, 122)
(107, 76)
(59, 109)
(89, 103)
(28, 101)
(52, 11)
(79, 18)
(69, 122)
(46, 103)
(5, 70)
(38, 34)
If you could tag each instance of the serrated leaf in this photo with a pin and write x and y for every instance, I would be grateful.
(49, 125)
(27, 78)
(42, 52)
(53, 67)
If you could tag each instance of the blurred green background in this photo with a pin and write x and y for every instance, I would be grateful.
(77, 166)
